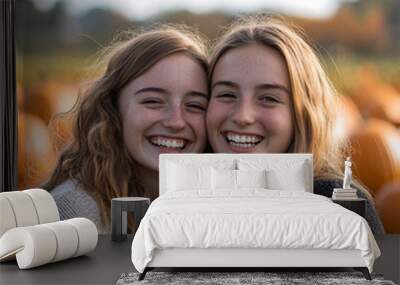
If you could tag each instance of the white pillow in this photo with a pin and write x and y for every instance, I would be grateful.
(223, 179)
(295, 180)
(289, 174)
(227, 179)
(181, 178)
(251, 178)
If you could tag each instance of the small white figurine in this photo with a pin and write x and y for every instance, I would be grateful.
(347, 174)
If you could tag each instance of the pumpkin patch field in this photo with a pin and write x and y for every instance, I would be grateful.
(368, 118)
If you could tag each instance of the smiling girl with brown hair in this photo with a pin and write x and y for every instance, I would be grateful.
(151, 99)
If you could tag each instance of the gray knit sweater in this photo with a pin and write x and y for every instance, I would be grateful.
(73, 201)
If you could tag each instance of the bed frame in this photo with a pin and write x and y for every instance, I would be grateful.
(249, 259)
(234, 259)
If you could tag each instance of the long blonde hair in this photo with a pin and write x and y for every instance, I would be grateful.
(313, 95)
(97, 157)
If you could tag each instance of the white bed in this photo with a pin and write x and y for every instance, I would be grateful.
(283, 224)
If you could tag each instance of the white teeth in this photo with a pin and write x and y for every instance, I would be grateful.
(244, 145)
(168, 142)
(243, 139)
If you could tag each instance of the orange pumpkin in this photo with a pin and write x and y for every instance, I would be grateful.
(60, 123)
(388, 205)
(387, 104)
(49, 101)
(36, 155)
(49, 98)
(348, 118)
(376, 98)
(20, 96)
(39, 99)
(376, 154)
(60, 127)
(21, 164)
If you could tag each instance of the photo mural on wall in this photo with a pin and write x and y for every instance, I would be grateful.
(94, 110)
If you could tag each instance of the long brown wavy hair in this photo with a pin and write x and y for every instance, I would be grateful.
(97, 157)
(313, 95)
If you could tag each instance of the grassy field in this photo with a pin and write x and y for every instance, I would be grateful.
(73, 68)
(345, 70)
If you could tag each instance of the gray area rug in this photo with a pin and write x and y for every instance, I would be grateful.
(226, 278)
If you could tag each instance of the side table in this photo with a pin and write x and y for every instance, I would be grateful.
(119, 208)
(357, 205)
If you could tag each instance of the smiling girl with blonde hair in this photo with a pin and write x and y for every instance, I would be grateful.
(269, 93)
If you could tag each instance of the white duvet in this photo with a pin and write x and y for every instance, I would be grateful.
(251, 218)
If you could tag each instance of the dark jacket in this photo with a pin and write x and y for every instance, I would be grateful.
(325, 188)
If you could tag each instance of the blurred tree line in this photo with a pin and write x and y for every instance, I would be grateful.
(366, 27)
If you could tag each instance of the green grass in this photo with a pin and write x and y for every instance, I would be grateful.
(61, 67)
(343, 70)
(75, 67)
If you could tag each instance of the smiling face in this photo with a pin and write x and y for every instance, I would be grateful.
(250, 108)
(164, 109)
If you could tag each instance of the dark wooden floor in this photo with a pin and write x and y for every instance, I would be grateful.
(110, 259)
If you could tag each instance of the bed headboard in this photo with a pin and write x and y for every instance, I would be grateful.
(274, 161)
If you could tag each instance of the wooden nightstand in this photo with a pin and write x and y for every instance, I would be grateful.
(356, 205)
